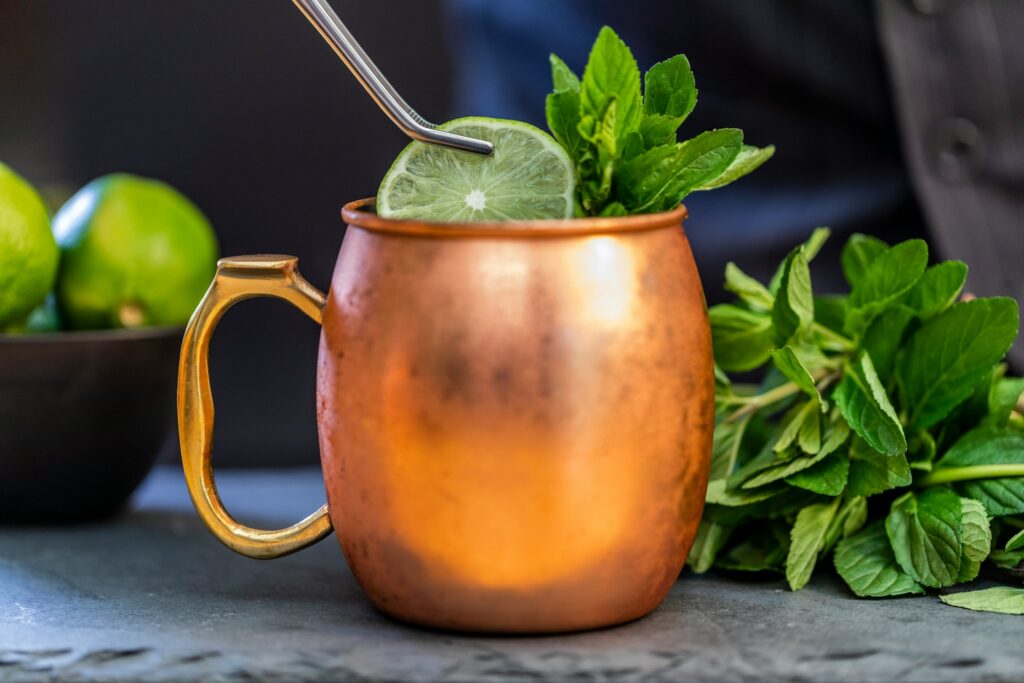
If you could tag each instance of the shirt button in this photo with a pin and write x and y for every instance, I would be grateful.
(955, 149)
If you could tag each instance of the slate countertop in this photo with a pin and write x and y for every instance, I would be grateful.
(151, 596)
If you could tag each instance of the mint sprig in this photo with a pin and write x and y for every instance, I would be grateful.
(623, 142)
(885, 433)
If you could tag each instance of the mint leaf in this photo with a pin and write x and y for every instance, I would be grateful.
(868, 566)
(1003, 397)
(747, 288)
(848, 521)
(789, 365)
(807, 538)
(977, 539)
(856, 514)
(865, 405)
(612, 74)
(815, 242)
(872, 472)
(623, 142)
(828, 477)
(763, 551)
(719, 493)
(669, 88)
(926, 532)
(600, 132)
(726, 446)
(989, 446)
(1001, 599)
(810, 249)
(794, 301)
(748, 160)
(597, 161)
(742, 340)
(710, 539)
(785, 467)
(809, 439)
(838, 432)
(830, 311)
(632, 147)
(780, 472)
(563, 114)
(721, 379)
(1016, 542)
(948, 355)
(884, 336)
(562, 77)
(792, 423)
(613, 209)
(657, 130)
(1007, 559)
(937, 289)
(660, 178)
(890, 275)
(858, 254)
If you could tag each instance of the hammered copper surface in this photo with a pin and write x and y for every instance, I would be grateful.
(515, 422)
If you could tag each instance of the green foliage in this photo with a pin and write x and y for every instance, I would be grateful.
(866, 407)
(948, 355)
(889, 276)
(866, 562)
(807, 540)
(977, 539)
(885, 433)
(742, 339)
(926, 533)
(990, 447)
(794, 302)
(1000, 599)
(623, 141)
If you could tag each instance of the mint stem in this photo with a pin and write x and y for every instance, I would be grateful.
(839, 340)
(755, 403)
(950, 474)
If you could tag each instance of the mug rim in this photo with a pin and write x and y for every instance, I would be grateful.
(359, 214)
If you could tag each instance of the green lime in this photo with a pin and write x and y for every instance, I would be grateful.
(134, 253)
(528, 176)
(28, 254)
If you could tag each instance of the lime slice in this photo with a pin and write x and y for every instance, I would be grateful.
(528, 176)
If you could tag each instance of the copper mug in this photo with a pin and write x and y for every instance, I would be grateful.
(515, 418)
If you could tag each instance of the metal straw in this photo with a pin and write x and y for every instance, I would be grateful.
(383, 93)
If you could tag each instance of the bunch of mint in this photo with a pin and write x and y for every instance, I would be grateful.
(623, 143)
(884, 433)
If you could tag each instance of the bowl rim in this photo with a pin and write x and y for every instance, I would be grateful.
(360, 213)
(92, 336)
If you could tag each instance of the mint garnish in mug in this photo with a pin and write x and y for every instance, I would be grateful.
(616, 153)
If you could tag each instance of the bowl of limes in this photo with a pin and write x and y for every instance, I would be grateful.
(93, 301)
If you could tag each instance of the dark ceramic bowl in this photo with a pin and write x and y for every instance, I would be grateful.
(82, 418)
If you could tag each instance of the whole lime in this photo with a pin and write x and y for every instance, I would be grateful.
(134, 253)
(28, 254)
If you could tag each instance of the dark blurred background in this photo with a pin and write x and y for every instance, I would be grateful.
(899, 118)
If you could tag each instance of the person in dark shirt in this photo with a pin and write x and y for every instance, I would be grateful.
(894, 118)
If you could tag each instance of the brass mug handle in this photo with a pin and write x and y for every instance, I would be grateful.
(237, 278)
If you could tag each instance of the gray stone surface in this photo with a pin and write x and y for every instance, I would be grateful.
(151, 596)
